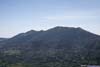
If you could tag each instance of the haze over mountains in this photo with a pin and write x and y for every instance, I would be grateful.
(55, 47)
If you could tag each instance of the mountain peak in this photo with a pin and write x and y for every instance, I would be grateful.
(66, 28)
(30, 31)
(60, 27)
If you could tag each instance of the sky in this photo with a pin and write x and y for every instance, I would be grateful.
(17, 16)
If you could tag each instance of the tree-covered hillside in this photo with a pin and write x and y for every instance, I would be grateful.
(56, 47)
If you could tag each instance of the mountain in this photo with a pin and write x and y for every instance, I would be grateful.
(55, 47)
(2, 39)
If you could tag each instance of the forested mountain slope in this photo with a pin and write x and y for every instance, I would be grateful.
(56, 47)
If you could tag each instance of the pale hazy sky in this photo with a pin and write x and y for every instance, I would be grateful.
(18, 16)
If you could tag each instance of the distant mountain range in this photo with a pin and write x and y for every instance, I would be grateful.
(55, 47)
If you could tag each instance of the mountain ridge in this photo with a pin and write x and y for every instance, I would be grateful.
(58, 29)
(65, 46)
